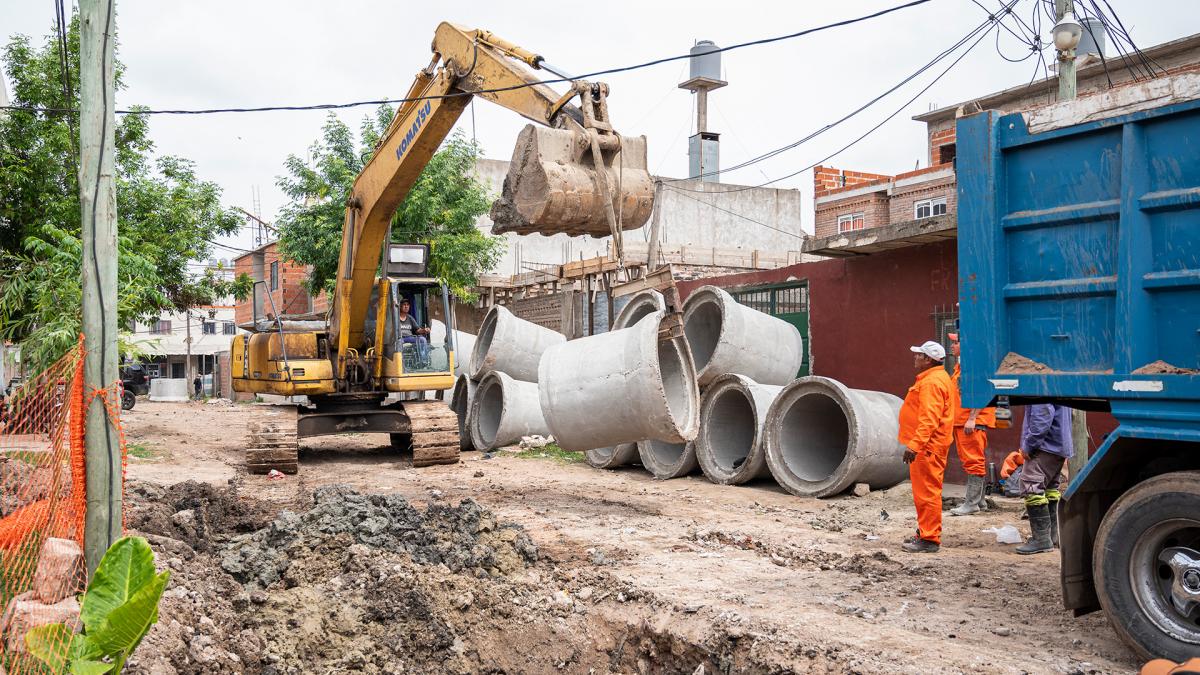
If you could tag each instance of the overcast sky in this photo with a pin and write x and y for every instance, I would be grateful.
(221, 53)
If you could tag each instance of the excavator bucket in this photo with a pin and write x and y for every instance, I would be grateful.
(552, 185)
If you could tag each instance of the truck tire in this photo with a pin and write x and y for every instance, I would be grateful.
(128, 399)
(1139, 591)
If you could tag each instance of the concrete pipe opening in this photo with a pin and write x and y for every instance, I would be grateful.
(668, 460)
(729, 446)
(726, 336)
(822, 437)
(702, 327)
(619, 387)
(460, 402)
(611, 457)
(503, 411)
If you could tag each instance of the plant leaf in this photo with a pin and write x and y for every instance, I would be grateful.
(126, 625)
(127, 566)
(85, 667)
(50, 644)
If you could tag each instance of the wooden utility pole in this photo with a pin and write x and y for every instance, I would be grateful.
(98, 199)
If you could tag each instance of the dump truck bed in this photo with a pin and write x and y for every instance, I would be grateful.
(1079, 258)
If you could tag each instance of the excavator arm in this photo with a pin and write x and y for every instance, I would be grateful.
(570, 173)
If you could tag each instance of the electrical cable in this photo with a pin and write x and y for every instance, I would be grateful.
(523, 85)
(981, 31)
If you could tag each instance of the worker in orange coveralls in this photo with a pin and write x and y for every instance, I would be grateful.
(926, 431)
(970, 438)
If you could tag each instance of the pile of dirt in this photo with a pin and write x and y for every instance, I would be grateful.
(461, 537)
(1015, 364)
(22, 483)
(1161, 367)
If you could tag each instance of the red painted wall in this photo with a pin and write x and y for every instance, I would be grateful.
(865, 313)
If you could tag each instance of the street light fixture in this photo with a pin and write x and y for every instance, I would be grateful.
(1067, 33)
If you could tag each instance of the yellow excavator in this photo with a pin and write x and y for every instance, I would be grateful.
(570, 172)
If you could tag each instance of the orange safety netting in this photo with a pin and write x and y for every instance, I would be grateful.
(43, 502)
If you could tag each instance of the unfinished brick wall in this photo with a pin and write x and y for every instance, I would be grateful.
(545, 310)
(827, 179)
(902, 204)
(289, 297)
(942, 148)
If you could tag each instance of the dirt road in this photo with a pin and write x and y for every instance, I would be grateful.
(748, 578)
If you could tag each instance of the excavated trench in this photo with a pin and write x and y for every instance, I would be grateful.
(347, 582)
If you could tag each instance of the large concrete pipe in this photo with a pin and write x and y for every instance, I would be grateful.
(460, 402)
(726, 336)
(729, 446)
(668, 460)
(510, 345)
(620, 386)
(505, 410)
(822, 437)
(464, 344)
(640, 305)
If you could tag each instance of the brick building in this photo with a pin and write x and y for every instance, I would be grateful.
(282, 291)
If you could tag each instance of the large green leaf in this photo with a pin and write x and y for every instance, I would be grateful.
(126, 625)
(126, 567)
(50, 645)
(85, 667)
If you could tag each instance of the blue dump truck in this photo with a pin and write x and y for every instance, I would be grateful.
(1079, 283)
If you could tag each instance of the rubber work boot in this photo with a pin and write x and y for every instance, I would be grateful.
(1039, 523)
(1054, 522)
(973, 503)
(918, 545)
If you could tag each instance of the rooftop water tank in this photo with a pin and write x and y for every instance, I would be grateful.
(706, 60)
(1092, 40)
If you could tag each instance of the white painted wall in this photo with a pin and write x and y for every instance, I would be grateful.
(174, 342)
(720, 215)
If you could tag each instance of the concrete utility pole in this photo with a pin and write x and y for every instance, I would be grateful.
(1066, 57)
(187, 345)
(98, 199)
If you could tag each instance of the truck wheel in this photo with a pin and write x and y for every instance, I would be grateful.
(1146, 564)
(128, 399)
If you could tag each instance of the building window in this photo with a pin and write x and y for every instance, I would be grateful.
(275, 275)
(851, 221)
(209, 328)
(160, 327)
(228, 328)
(927, 208)
(946, 153)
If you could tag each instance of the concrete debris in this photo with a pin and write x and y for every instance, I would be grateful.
(638, 307)
(511, 345)
(504, 411)
(25, 612)
(535, 441)
(59, 571)
(618, 387)
(732, 412)
(861, 490)
(465, 536)
(726, 336)
(822, 437)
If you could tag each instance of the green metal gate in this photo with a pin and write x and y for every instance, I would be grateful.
(787, 301)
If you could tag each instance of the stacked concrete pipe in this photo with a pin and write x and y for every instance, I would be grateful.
(510, 345)
(668, 460)
(726, 336)
(503, 411)
(729, 446)
(619, 387)
(638, 307)
(823, 437)
(461, 398)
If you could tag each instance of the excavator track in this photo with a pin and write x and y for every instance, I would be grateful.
(272, 444)
(434, 432)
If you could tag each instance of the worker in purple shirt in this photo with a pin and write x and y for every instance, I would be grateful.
(1046, 445)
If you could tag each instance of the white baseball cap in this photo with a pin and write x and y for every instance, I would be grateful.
(931, 349)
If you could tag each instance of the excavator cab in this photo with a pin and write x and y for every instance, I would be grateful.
(409, 354)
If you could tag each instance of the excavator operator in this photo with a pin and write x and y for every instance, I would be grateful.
(412, 332)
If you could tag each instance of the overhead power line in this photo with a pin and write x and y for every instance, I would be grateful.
(523, 85)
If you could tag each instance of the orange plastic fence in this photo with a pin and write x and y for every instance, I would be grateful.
(43, 502)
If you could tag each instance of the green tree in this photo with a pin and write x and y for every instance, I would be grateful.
(166, 214)
(440, 210)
